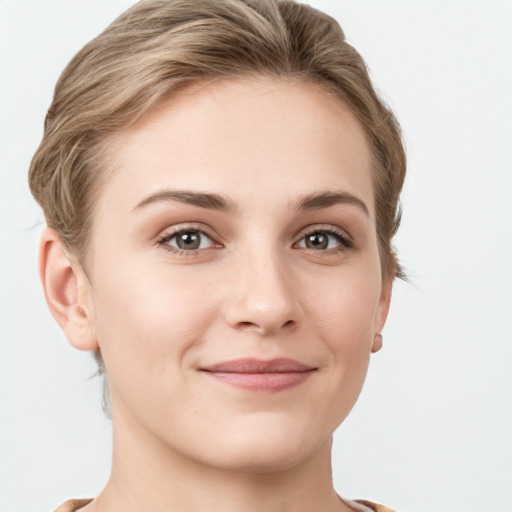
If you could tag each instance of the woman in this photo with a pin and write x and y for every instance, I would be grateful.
(220, 183)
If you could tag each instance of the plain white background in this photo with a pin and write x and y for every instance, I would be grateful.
(432, 430)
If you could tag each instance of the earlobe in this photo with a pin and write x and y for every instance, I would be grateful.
(66, 289)
(382, 314)
(377, 342)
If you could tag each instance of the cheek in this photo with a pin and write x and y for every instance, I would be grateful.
(345, 307)
(344, 314)
(343, 322)
(146, 320)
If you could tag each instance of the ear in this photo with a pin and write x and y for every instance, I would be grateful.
(67, 291)
(382, 313)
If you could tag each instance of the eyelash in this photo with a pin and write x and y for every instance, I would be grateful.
(165, 239)
(345, 242)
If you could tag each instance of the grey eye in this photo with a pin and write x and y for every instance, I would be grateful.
(317, 241)
(189, 240)
(322, 240)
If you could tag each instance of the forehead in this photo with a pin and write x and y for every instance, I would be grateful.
(247, 137)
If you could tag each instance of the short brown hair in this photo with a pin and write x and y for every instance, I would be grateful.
(159, 46)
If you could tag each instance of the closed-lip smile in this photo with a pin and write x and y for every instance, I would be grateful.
(255, 374)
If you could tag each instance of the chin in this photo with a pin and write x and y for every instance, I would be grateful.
(257, 460)
(265, 448)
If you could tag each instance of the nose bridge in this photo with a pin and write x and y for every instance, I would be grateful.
(262, 295)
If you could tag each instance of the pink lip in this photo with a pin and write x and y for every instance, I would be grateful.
(259, 375)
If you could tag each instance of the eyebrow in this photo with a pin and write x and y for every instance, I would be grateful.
(315, 201)
(201, 199)
(321, 200)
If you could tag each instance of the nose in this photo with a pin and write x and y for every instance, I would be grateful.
(261, 295)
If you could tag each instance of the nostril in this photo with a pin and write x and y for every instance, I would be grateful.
(255, 325)
(245, 324)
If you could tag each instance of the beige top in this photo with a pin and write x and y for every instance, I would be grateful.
(357, 505)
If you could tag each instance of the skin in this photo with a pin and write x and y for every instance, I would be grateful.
(255, 287)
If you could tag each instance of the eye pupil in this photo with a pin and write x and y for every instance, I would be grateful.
(188, 240)
(317, 241)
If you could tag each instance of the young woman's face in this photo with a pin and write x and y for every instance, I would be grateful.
(235, 283)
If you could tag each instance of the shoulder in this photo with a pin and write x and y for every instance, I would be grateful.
(370, 506)
(72, 505)
(357, 505)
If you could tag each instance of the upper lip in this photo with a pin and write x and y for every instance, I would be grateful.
(254, 365)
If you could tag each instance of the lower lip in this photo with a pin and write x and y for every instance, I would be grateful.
(271, 382)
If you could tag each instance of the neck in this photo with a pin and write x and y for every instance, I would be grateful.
(147, 475)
